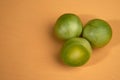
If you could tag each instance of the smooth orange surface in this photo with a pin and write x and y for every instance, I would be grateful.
(29, 50)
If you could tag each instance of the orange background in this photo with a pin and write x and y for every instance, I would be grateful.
(29, 51)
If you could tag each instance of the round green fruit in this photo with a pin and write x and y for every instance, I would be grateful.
(98, 32)
(68, 26)
(81, 41)
(76, 52)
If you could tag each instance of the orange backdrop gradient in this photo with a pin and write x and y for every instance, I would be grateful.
(29, 50)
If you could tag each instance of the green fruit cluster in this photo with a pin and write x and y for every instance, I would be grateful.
(77, 50)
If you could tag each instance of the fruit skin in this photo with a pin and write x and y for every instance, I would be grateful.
(76, 52)
(98, 32)
(68, 26)
(81, 41)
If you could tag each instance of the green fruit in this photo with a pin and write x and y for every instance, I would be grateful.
(81, 41)
(76, 52)
(97, 32)
(68, 26)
